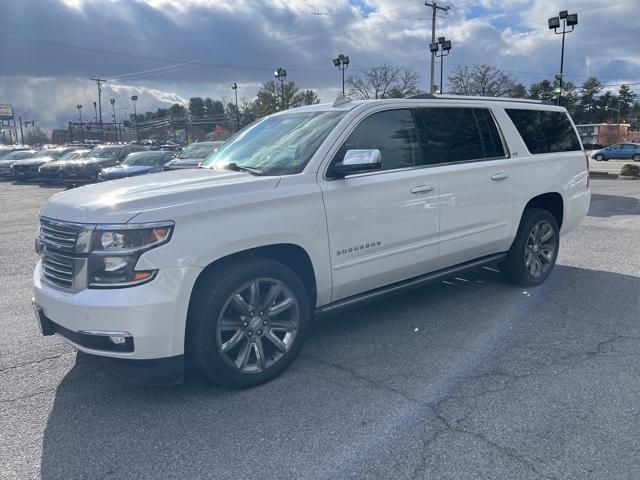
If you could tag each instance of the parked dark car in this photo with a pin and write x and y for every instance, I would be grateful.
(192, 156)
(51, 172)
(86, 170)
(138, 163)
(6, 163)
(621, 151)
(7, 149)
(27, 169)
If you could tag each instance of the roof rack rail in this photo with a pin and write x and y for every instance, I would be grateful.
(430, 96)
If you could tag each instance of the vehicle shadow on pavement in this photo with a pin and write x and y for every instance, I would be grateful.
(605, 206)
(369, 387)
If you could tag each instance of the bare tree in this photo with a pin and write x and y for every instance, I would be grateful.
(483, 80)
(383, 81)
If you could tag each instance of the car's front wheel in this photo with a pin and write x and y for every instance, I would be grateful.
(636, 157)
(534, 251)
(599, 157)
(247, 322)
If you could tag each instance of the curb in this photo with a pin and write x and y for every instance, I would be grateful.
(609, 175)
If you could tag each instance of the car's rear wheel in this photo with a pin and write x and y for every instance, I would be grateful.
(247, 322)
(636, 157)
(534, 252)
(599, 157)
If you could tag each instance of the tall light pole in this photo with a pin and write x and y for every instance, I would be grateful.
(134, 98)
(434, 10)
(342, 62)
(281, 74)
(79, 107)
(112, 101)
(568, 20)
(234, 85)
(444, 46)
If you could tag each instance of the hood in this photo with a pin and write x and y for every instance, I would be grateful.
(7, 163)
(127, 170)
(119, 201)
(34, 161)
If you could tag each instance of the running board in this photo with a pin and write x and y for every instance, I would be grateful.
(415, 282)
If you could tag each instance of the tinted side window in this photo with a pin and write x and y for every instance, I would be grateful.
(458, 134)
(489, 134)
(544, 131)
(393, 132)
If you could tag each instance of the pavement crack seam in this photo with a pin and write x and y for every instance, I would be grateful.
(34, 362)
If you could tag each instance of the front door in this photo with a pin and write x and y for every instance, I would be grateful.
(383, 225)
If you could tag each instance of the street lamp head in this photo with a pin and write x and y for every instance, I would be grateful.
(95, 104)
(280, 73)
(345, 60)
(572, 19)
(433, 47)
(446, 45)
(79, 106)
(563, 14)
(134, 98)
(234, 85)
(112, 101)
(336, 62)
(441, 40)
(554, 22)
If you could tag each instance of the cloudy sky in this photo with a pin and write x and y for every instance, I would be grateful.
(167, 51)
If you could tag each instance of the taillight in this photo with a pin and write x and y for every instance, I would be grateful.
(586, 157)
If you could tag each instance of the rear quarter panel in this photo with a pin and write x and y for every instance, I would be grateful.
(563, 172)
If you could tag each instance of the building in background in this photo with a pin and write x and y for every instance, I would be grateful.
(598, 135)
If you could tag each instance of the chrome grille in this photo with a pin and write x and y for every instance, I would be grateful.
(64, 248)
(58, 270)
(58, 235)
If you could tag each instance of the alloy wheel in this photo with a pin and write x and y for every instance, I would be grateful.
(540, 249)
(257, 325)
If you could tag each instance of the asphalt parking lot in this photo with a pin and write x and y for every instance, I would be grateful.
(470, 378)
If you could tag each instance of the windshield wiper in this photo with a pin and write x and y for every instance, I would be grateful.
(239, 168)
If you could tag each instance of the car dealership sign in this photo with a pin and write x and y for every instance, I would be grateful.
(6, 111)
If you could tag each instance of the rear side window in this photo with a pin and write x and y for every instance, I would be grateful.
(451, 135)
(545, 131)
(393, 132)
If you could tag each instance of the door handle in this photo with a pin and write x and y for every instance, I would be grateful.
(422, 188)
(499, 176)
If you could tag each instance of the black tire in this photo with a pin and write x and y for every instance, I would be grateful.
(514, 267)
(599, 157)
(213, 294)
(636, 158)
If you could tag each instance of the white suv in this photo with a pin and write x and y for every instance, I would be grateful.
(304, 213)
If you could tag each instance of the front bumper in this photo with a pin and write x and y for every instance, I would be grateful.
(153, 315)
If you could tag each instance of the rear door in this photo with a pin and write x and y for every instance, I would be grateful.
(476, 188)
(383, 225)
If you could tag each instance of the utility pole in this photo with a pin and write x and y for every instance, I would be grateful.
(22, 134)
(434, 10)
(99, 82)
(234, 85)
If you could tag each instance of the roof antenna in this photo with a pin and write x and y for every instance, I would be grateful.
(340, 100)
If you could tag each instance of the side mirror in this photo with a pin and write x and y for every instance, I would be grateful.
(357, 161)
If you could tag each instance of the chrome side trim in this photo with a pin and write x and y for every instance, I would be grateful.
(405, 285)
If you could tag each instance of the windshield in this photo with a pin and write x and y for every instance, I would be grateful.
(74, 155)
(143, 159)
(197, 150)
(18, 155)
(279, 145)
(105, 152)
(47, 153)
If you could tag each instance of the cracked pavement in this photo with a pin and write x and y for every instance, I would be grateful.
(467, 379)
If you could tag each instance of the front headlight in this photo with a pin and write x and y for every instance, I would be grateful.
(115, 250)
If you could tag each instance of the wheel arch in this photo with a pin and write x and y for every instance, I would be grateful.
(289, 254)
(550, 201)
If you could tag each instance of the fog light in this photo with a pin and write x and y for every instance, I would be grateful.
(118, 339)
